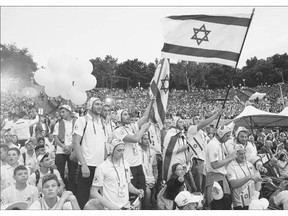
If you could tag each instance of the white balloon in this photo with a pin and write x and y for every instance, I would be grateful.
(78, 67)
(78, 97)
(40, 76)
(63, 81)
(66, 94)
(51, 91)
(86, 82)
(49, 80)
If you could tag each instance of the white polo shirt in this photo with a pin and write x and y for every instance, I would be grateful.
(215, 153)
(11, 195)
(242, 195)
(68, 135)
(93, 143)
(198, 141)
(106, 177)
(40, 204)
(132, 150)
(22, 128)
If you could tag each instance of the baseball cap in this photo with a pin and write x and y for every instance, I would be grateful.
(217, 191)
(15, 206)
(239, 130)
(67, 107)
(238, 147)
(185, 197)
(41, 157)
(259, 204)
(221, 131)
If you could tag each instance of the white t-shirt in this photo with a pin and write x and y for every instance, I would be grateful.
(22, 128)
(198, 141)
(40, 204)
(30, 161)
(4, 176)
(132, 150)
(241, 196)
(106, 177)
(32, 178)
(215, 153)
(93, 143)
(11, 195)
(148, 161)
(68, 135)
(155, 137)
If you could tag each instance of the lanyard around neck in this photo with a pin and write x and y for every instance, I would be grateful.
(243, 169)
(118, 176)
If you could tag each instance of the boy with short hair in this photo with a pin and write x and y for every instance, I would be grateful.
(21, 191)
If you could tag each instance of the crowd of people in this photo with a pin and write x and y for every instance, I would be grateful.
(109, 154)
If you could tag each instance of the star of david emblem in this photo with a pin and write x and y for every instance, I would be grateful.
(165, 84)
(199, 39)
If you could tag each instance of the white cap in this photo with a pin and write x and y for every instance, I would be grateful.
(222, 130)
(239, 130)
(217, 191)
(21, 205)
(91, 102)
(185, 197)
(67, 107)
(257, 204)
(41, 157)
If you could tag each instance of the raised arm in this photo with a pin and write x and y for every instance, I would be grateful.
(137, 136)
(210, 120)
(145, 116)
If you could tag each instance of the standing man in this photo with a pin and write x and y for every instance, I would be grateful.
(89, 145)
(112, 177)
(22, 126)
(108, 123)
(197, 137)
(131, 134)
(216, 169)
(63, 132)
(242, 177)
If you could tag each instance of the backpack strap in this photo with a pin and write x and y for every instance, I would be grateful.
(86, 120)
(37, 174)
(24, 158)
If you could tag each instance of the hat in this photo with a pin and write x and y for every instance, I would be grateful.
(221, 131)
(91, 102)
(238, 147)
(41, 157)
(217, 191)
(8, 133)
(15, 206)
(119, 114)
(239, 130)
(67, 107)
(116, 142)
(259, 204)
(185, 197)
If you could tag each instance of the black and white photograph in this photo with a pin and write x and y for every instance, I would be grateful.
(144, 107)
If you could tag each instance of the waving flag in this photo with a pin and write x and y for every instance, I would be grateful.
(204, 38)
(159, 88)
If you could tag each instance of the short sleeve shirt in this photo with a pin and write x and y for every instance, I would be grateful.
(68, 135)
(40, 204)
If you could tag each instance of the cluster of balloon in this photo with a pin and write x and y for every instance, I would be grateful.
(67, 77)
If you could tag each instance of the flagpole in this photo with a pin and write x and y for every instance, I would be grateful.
(235, 68)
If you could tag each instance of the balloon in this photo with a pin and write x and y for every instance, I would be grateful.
(63, 81)
(66, 94)
(86, 82)
(40, 76)
(51, 91)
(49, 79)
(78, 67)
(58, 63)
(78, 97)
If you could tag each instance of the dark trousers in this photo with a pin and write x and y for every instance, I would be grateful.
(60, 162)
(138, 180)
(222, 204)
(241, 208)
(198, 176)
(84, 186)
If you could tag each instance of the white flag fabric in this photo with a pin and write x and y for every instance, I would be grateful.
(159, 88)
(205, 38)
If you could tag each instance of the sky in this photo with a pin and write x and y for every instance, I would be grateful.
(127, 32)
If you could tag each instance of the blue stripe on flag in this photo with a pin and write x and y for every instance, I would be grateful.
(205, 53)
(225, 20)
(159, 103)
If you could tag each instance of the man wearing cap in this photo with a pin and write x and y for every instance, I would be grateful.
(131, 134)
(22, 126)
(112, 177)
(198, 140)
(8, 140)
(216, 168)
(176, 150)
(187, 201)
(63, 132)
(45, 167)
(89, 145)
(29, 156)
(40, 126)
(243, 178)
